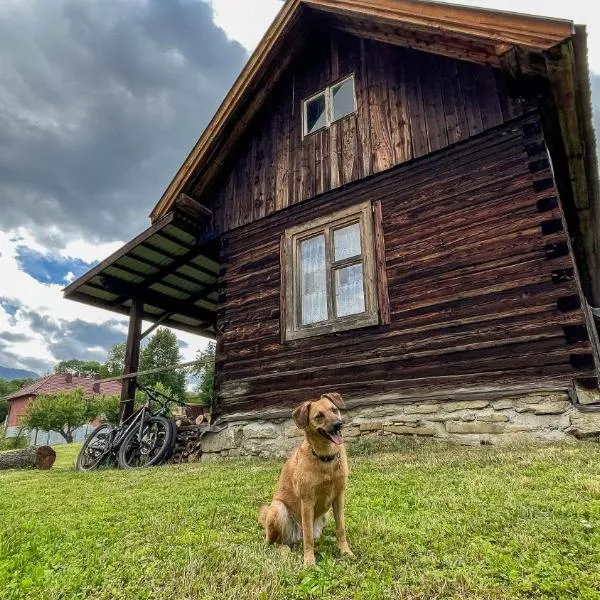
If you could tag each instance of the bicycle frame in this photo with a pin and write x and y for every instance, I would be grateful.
(136, 420)
(132, 422)
(118, 433)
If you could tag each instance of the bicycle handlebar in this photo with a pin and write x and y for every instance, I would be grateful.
(168, 399)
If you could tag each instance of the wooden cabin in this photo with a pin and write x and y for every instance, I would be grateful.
(397, 200)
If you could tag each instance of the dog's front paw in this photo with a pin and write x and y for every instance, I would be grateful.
(345, 551)
(309, 560)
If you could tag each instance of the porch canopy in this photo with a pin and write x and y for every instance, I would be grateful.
(167, 271)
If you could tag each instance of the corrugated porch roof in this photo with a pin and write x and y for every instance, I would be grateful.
(168, 267)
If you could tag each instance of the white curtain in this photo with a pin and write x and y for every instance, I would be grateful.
(346, 242)
(313, 280)
(349, 293)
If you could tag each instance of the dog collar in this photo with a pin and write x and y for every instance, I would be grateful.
(327, 457)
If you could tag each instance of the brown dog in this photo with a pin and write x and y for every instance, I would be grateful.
(312, 480)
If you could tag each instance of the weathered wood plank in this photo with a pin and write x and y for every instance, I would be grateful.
(380, 266)
(363, 121)
(454, 103)
(416, 109)
(380, 121)
(431, 87)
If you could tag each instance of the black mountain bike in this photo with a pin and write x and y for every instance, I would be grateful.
(144, 439)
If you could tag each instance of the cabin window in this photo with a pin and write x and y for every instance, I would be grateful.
(329, 275)
(315, 114)
(333, 103)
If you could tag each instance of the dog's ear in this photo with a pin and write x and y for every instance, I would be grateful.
(300, 414)
(335, 398)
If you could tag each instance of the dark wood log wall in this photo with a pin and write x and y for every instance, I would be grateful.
(481, 285)
(410, 103)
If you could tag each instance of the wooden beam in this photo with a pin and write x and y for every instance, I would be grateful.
(164, 271)
(562, 76)
(123, 310)
(173, 286)
(495, 25)
(484, 54)
(194, 298)
(156, 324)
(174, 240)
(134, 272)
(131, 375)
(193, 208)
(380, 265)
(171, 255)
(132, 359)
(167, 303)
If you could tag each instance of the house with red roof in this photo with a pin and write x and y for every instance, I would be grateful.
(53, 384)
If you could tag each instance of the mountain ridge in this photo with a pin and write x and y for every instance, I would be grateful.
(10, 373)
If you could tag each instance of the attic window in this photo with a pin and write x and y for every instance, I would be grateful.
(333, 103)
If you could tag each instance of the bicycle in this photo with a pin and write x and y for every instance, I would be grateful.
(144, 439)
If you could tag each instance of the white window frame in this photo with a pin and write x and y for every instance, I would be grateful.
(328, 93)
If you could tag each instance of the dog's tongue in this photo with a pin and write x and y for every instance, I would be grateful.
(336, 438)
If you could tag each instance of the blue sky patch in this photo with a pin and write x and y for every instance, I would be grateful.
(49, 269)
(8, 307)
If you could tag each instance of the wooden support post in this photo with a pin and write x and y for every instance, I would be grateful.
(132, 358)
(158, 323)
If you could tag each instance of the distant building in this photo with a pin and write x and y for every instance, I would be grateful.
(53, 384)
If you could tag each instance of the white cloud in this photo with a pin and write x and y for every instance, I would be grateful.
(245, 21)
(74, 249)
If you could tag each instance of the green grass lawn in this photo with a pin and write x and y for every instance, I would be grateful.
(425, 521)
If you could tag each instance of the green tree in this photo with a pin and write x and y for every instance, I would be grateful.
(85, 368)
(162, 351)
(63, 412)
(115, 362)
(205, 371)
(7, 387)
(106, 408)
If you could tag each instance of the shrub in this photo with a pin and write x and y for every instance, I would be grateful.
(11, 443)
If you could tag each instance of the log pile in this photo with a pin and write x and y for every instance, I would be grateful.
(187, 446)
(41, 457)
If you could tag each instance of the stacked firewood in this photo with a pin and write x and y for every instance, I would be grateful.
(187, 446)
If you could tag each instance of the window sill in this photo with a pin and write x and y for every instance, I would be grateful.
(346, 324)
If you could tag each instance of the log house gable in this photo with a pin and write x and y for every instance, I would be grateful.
(541, 60)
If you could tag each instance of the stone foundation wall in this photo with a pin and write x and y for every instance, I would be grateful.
(532, 417)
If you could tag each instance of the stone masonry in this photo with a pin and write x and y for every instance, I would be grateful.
(531, 417)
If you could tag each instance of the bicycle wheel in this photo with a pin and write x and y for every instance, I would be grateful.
(93, 451)
(149, 448)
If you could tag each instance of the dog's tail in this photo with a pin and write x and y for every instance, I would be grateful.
(262, 514)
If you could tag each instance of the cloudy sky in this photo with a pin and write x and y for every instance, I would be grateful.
(100, 102)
